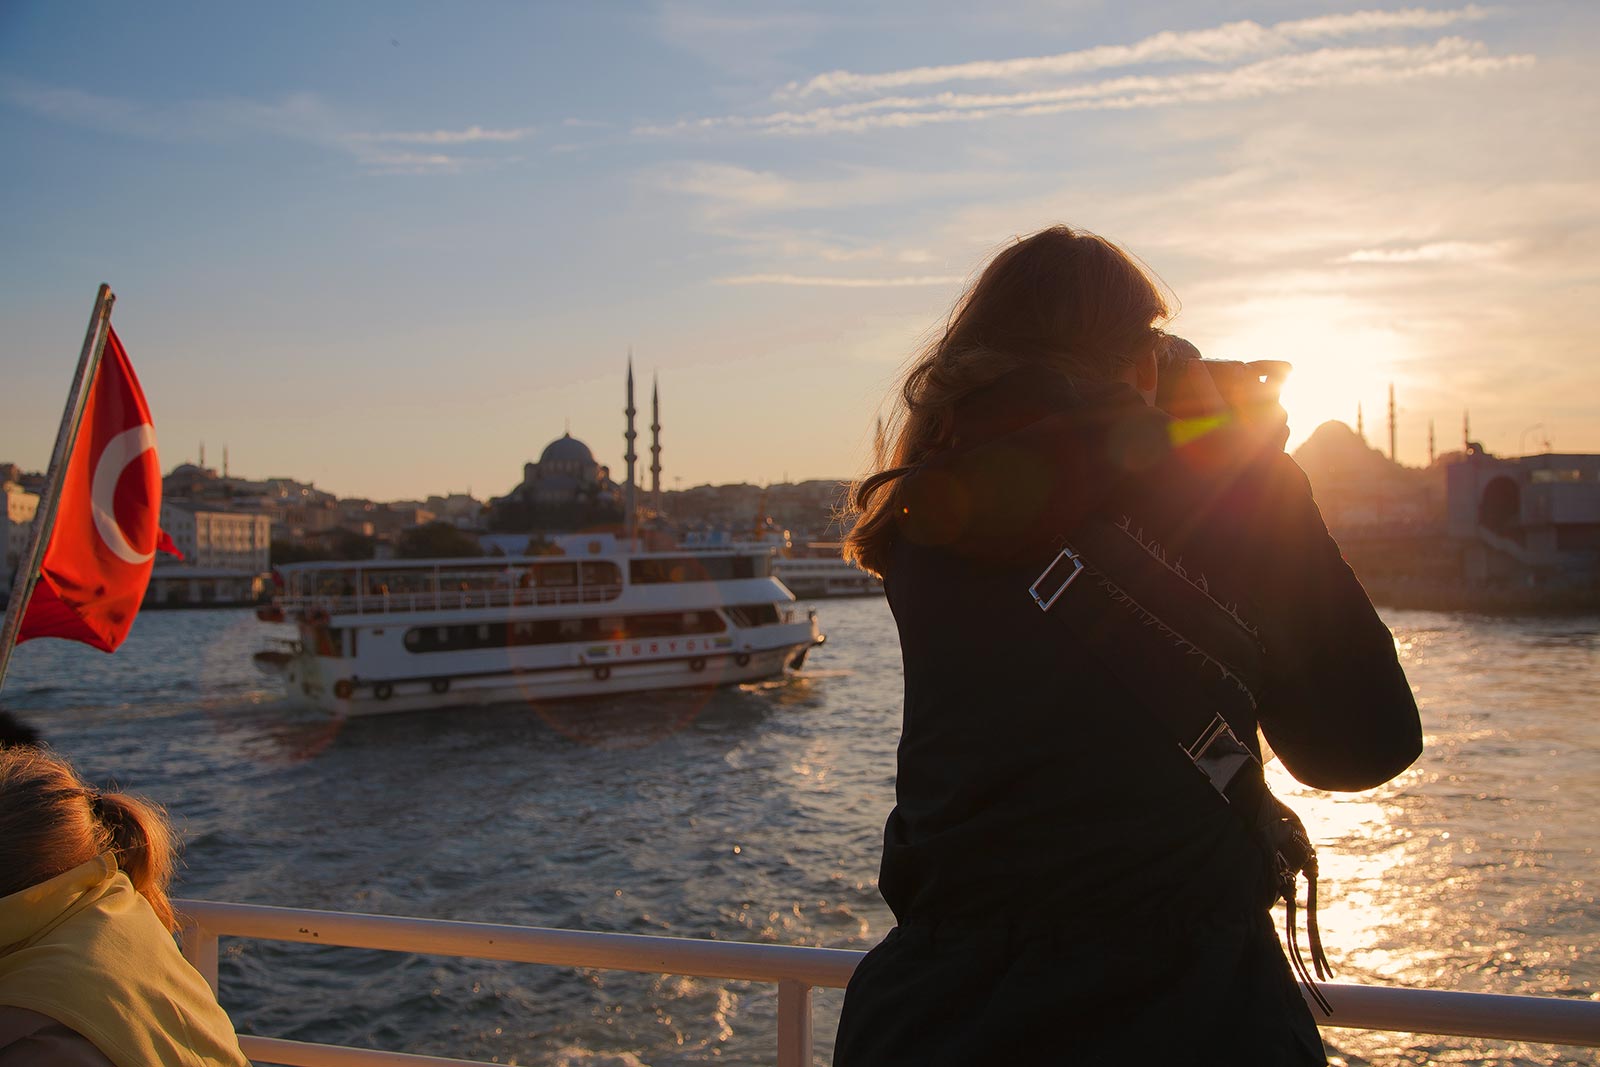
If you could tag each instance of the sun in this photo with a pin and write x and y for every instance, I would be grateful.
(1343, 356)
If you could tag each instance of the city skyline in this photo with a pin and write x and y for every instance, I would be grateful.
(399, 250)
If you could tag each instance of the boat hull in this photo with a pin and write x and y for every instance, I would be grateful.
(463, 633)
(324, 682)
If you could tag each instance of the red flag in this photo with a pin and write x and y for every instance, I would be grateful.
(107, 529)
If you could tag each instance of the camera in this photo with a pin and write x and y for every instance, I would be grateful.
(1245, 387)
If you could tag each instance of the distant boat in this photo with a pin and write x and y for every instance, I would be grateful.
(810, 570)
(819, 570)
(407, 635)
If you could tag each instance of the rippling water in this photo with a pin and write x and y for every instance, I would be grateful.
(754, 814)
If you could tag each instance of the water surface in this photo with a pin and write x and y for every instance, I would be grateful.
(755, 814)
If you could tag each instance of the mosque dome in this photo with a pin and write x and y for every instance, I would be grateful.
(566, 449)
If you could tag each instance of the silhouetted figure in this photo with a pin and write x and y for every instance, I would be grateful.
(1068, 885)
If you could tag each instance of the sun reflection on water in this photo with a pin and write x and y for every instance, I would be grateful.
(1467, 872)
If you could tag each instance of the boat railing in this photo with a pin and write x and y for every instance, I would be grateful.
(796, 971)
(382, 602)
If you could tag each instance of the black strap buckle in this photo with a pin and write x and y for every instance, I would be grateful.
(1039, 597)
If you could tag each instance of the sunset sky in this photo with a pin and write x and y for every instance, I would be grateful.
(397, 248)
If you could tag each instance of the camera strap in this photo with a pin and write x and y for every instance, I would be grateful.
(1191, 659)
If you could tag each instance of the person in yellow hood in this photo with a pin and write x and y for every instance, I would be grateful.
(89, 971)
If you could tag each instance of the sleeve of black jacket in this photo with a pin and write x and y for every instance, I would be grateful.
(1336, 706)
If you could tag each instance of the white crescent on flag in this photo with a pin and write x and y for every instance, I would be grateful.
(119, 452)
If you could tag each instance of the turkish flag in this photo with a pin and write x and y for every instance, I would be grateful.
(107, 529)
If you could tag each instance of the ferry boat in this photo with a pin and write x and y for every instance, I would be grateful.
(823, 575)
(811, 570)
(409, 635)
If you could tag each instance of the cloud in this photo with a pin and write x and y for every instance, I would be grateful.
(1450, 57)
(413, 163)
(470, 135)
(1437, 252)
(832, 282)
(300, 117)
(1220, 44)
(793, 245)
(728, 190)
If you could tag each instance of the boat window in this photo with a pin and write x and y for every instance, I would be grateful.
(392, 582)
(655, 626)
(551, 574)
(469, 580)
(336, 583)
(708, 568)
(752, 614)
(599, 573)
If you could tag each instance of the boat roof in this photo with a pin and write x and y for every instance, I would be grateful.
(503, 562)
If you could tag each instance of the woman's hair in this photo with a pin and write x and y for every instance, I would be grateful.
(51, 822)
(1061, 298)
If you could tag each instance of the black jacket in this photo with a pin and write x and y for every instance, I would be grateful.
(1065, 881)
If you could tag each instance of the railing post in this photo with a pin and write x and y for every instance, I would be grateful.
(794, 1023)
(200, 949)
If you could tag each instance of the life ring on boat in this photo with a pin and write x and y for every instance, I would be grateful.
(697, 664)
(742, 659)
(383, 690)
(440, 685)
(602, 672)
(343, 689)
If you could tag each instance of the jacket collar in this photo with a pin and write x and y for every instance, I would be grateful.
(27, 913)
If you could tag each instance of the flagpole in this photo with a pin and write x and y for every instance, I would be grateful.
(94, 345)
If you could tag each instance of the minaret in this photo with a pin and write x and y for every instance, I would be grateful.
(202, 463)
(1361, 429)
(655, 445)
(629, 517)
(1432, 455)
(1466, 431)
(1392, 458)
(224, 461)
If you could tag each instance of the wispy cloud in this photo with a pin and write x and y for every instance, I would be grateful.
(1436, 252)
(834, 282)
(727, 190)
(470, 135)
(1323, 68)
(299, 117)
(1219, 44)
(412, 163)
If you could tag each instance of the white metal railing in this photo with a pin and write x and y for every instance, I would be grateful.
(446, 599)
(795, 970)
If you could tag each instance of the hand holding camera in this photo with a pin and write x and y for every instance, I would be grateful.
(1189, 387)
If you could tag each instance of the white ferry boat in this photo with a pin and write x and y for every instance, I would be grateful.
(406, 635)
(823, 575)
(813, 570)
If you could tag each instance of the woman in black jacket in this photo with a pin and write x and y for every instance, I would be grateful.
(1068, 886)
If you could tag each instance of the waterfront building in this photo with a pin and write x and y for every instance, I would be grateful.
(1531, 523)
(458, 509)
(226, 556)
(20, 508)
